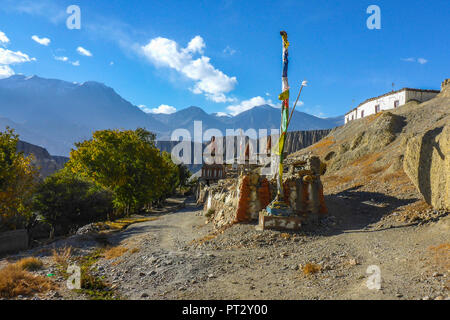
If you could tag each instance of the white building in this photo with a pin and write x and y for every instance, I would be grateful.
(388, 101)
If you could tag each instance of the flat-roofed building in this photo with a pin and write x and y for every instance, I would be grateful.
(390, 100)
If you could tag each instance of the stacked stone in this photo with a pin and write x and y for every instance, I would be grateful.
(303, 190)
(254, 195)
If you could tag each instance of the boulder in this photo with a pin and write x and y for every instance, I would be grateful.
(427, 164)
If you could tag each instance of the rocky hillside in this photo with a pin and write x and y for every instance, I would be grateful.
(46, 163)
(298, 140)
(401, 154)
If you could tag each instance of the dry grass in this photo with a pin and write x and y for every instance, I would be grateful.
(373, 117)
(15, 281)
(394, 177)
(311, 268)
(62, 256)
(134, 250)
(285, 236)
(123, 223)
(30, 264)
(441, 256)
(371, 170)
(322, 146)
(413, 211)
(204, 239)
(367, 160)
(115, 252)
(334, 181)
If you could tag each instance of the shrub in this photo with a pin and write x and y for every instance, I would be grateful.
(115, 252)
(311, 268)
(30, 264)
(66, 202)
(15, 281)
(210, 213)
(62, 257)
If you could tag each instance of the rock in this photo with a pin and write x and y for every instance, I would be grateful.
(142, 274)
(439, 298)
(427, 164)
(144, 295)
(352, 262)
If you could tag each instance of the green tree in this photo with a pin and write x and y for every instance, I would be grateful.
(171, 176)
(17, 180)
(123, 161)
(67, 201)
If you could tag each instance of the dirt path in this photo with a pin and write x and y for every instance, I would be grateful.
(175, 262)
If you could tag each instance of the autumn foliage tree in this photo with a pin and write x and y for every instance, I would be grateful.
(17, 181)
(125, 162)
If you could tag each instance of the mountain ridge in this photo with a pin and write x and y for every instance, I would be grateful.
(55, 114)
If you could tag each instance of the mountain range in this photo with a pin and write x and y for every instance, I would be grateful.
(56, 113)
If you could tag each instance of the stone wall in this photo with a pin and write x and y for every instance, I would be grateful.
(242, 199)
(13, 241)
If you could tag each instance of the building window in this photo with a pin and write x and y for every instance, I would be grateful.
(362, 113)
(396, 103)
(377, 108)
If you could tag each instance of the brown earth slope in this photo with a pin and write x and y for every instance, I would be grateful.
(372, 154)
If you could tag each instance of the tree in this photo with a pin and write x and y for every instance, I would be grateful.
(123, 161)
(67, 201)
(185, 174)
(171, 176)
(17, 180)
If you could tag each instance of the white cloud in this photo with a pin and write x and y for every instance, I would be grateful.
(8, 57)
(42, 41)
(229, 51)
(422, 60)
(222, 114)
(6, 72)
(3, 38)
(84, 52)
(248, 104)
(48, 9)
(196, 45)
(164, 109)
(211, 82)
(64, 59)
(111, 63)
(13, 57)
(418, 60)
(144, 108)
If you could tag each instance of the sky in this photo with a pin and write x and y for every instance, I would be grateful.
(225, 56)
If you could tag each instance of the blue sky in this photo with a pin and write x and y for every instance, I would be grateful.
(225, 56)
